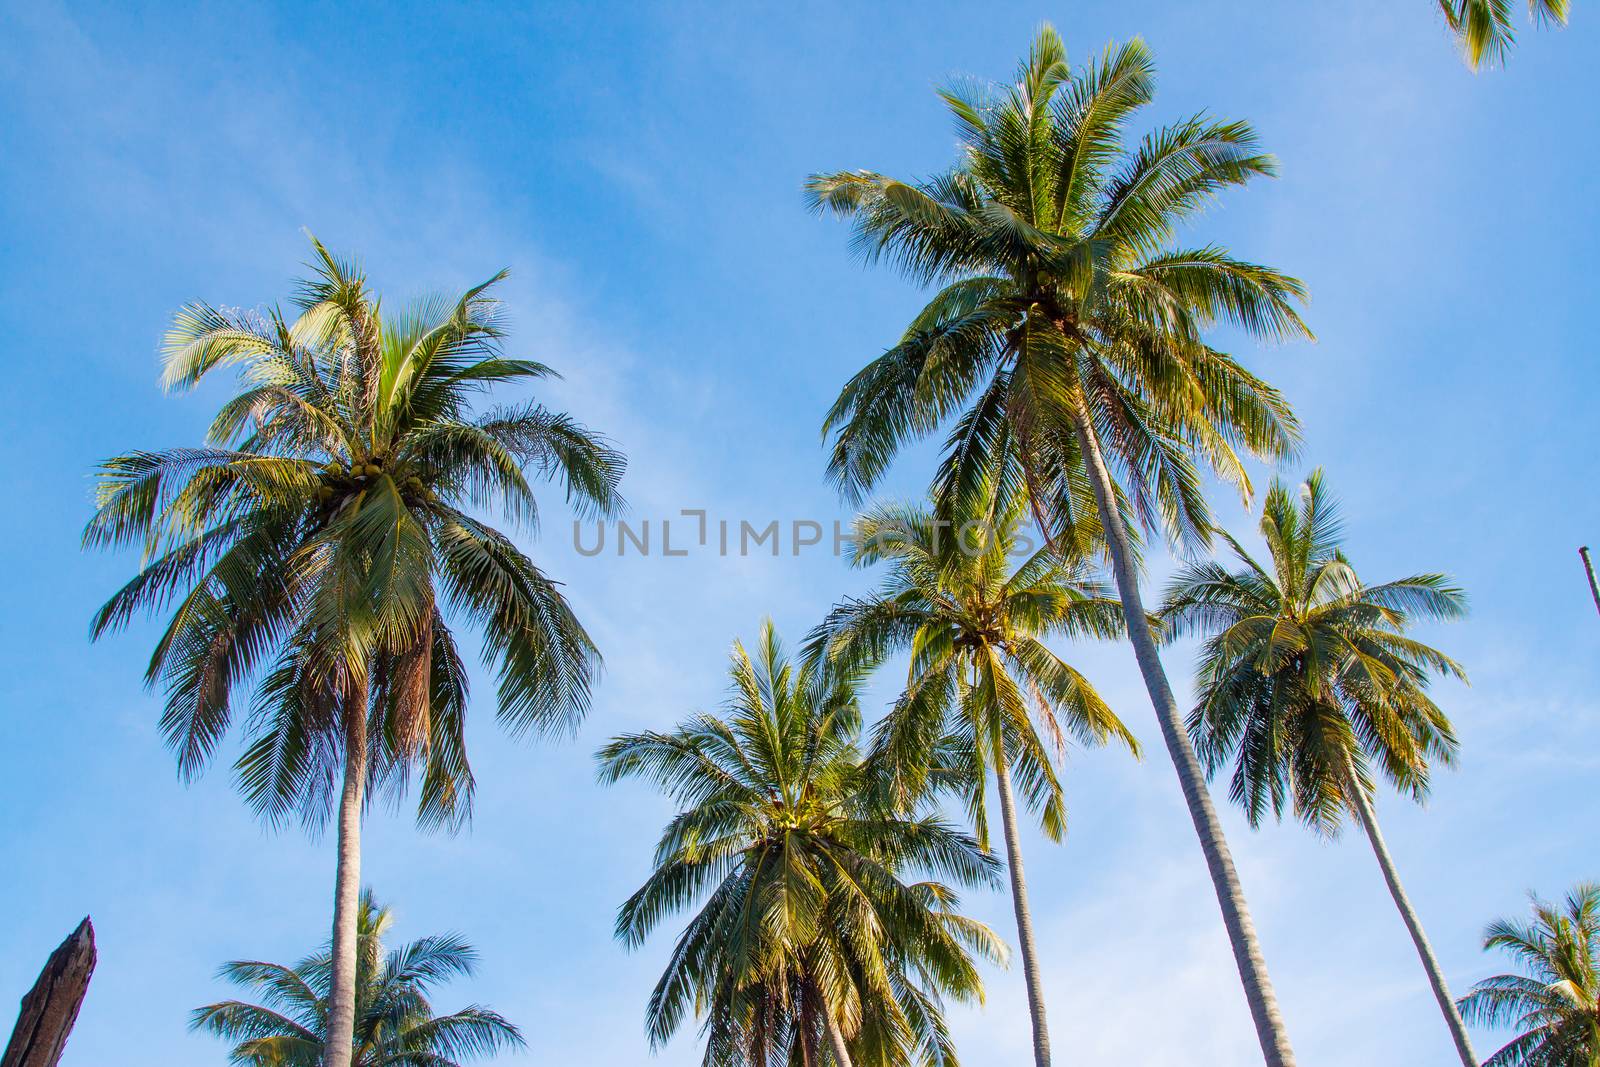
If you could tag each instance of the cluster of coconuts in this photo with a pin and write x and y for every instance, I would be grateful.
(336, 478)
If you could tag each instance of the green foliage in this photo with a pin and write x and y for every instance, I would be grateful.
(805, 912)
(1064, 304)
(1065, 346)
(1307, 680)
(1554, 1003)
(1484, 28)
(395, 1023)
(313, 550)
(982, 685)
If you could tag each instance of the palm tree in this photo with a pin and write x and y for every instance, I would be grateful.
(310, 549)
(807, 932)
(1555, 1003)
(980, 674)
(1068, 333)
(395, 1023)
(1483, 27)
(1308, 682)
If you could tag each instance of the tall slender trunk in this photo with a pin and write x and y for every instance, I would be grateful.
(1594, 587)
(340, 1038)
(841, 1051)
(1441, 991)
(1019, 904)
(1270, 1030)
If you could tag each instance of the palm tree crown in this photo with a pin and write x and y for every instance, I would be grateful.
(1554, 1004)
(981, 683)
(1064, 298)
(807, 931)
(395, 1022)
(316, 543)
(1307, 674)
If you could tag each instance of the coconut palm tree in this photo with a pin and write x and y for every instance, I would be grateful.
(310, 550)
(1068, 335)
(1309, 684)
(1554, 1004)
(807, 933)
(982, 684)
(395, 1023)
(1484, 30)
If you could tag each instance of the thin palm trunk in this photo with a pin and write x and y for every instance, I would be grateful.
(1588, 568)
(1441, 991)
(808, 1035)
(337, 1048)
(1247, 956)
(841, 1051)
(1019, 903)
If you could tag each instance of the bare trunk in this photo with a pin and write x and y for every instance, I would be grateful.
(1019, 904)
(807, 1037)
(1588, 568)
(340, 1038)
(51, 1007)
(1247, 956)
(841, 1052)
(1441, 991)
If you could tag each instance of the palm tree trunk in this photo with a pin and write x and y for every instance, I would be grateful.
(1019, 904)
(841, 1052)
(340, 1037)
(1441, 992)
(807, 1035)
(1270, 1030)
(1594, 587)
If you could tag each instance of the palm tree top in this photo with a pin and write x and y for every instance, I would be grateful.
(311, 550)
(1062, 288)
(1305, 668)
(395, 1021)
(1553, 1000)
(972, 600)
(799, 873)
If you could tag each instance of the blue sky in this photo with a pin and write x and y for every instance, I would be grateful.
(639, 170)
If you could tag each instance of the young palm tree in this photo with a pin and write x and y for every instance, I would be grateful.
(807, 932)
(1069, 329)
(982, 683)
(1483, 27)
(1555, 1004)
(395, 1023)
(310, 550)
(1308, 682)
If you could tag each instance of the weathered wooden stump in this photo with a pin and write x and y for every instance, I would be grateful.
(51, 1007)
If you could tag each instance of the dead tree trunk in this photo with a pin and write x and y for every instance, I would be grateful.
(51, 1007)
